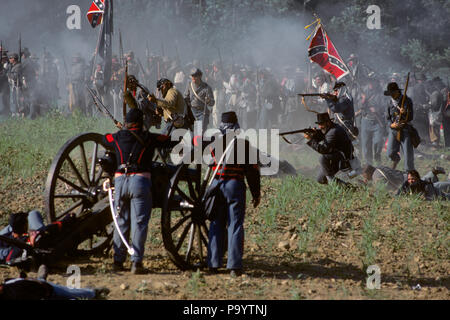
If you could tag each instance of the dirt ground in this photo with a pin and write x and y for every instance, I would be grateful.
(333, 271)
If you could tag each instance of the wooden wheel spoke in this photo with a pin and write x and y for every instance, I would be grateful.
(70, 196)
(200, 240)
(75, 205)
(190, 243)
(205, 181)
(192, 191)
(99, 176)
(77, 173)
(182, 237)
(179, 223)
(93, 162)
(73, 185)
(204, 236)
(84, 161)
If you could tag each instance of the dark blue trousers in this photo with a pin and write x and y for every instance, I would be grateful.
(231, 212)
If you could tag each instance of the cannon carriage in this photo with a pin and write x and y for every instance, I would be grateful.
(75, 186)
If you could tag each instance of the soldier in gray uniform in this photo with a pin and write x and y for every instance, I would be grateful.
(436, 108)
(133, 67)
(49, 78)
(4, 86)
(373, 126)
(200, 96)
(30, 70)
(14, 72)
(421, 108)
(77, 85)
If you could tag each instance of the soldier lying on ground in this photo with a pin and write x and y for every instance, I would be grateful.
(415, 185)
(24, 288)
(395, 178)
(29, 228)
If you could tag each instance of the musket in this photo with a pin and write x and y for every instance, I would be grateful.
(121, 49)
(1, 56)
(221, 61)
(43, 62)
(20, 47)
(142, 68)
(176, 50)
(322, 95)
(147, 92)
(162, 48)
(147, 55)
(124, 105)
(103, 110)
(402, 121)
(310, 131)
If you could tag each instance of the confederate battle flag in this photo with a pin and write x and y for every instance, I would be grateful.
(95, 13)
(322, 51)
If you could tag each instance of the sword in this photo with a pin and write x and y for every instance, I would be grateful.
(107, 187)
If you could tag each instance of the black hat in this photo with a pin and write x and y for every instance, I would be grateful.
(134, 116)
(338, 85)
(323, 117)
(13, 55)
(229, 117)
(19, 222)
(195, 72)
(160, 82)
(391, 88)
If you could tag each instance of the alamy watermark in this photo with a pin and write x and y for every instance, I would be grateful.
(374, 277)
(374, 20)
(73, 21)
(74, 280)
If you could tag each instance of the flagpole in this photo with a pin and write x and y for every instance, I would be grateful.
(98, 44)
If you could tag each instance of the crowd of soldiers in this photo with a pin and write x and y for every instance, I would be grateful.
(27, 87)
(261, 97)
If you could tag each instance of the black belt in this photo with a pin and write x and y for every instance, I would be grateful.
(124, 168)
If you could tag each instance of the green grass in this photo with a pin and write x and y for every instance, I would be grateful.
(29, 146)
(400, 224)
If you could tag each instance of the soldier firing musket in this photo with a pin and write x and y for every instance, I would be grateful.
(340, 102)
(310, 131)
(334, 146)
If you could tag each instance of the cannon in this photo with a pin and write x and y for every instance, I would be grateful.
(75, 186)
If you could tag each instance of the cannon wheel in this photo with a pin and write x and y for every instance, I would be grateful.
(74, 186)
(184, 230)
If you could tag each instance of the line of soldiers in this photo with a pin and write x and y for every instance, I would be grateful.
(261, 97)
(27, 88)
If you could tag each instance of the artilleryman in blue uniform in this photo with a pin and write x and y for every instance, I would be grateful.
(233, 188)
(132, 181)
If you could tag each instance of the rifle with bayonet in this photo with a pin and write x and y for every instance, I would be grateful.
(121, 53)
(151, 112)
(18, 80)
(314, 133)
(1, 57)
(322, 95)
(124, 104)
(104, 109)
(144, 74)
